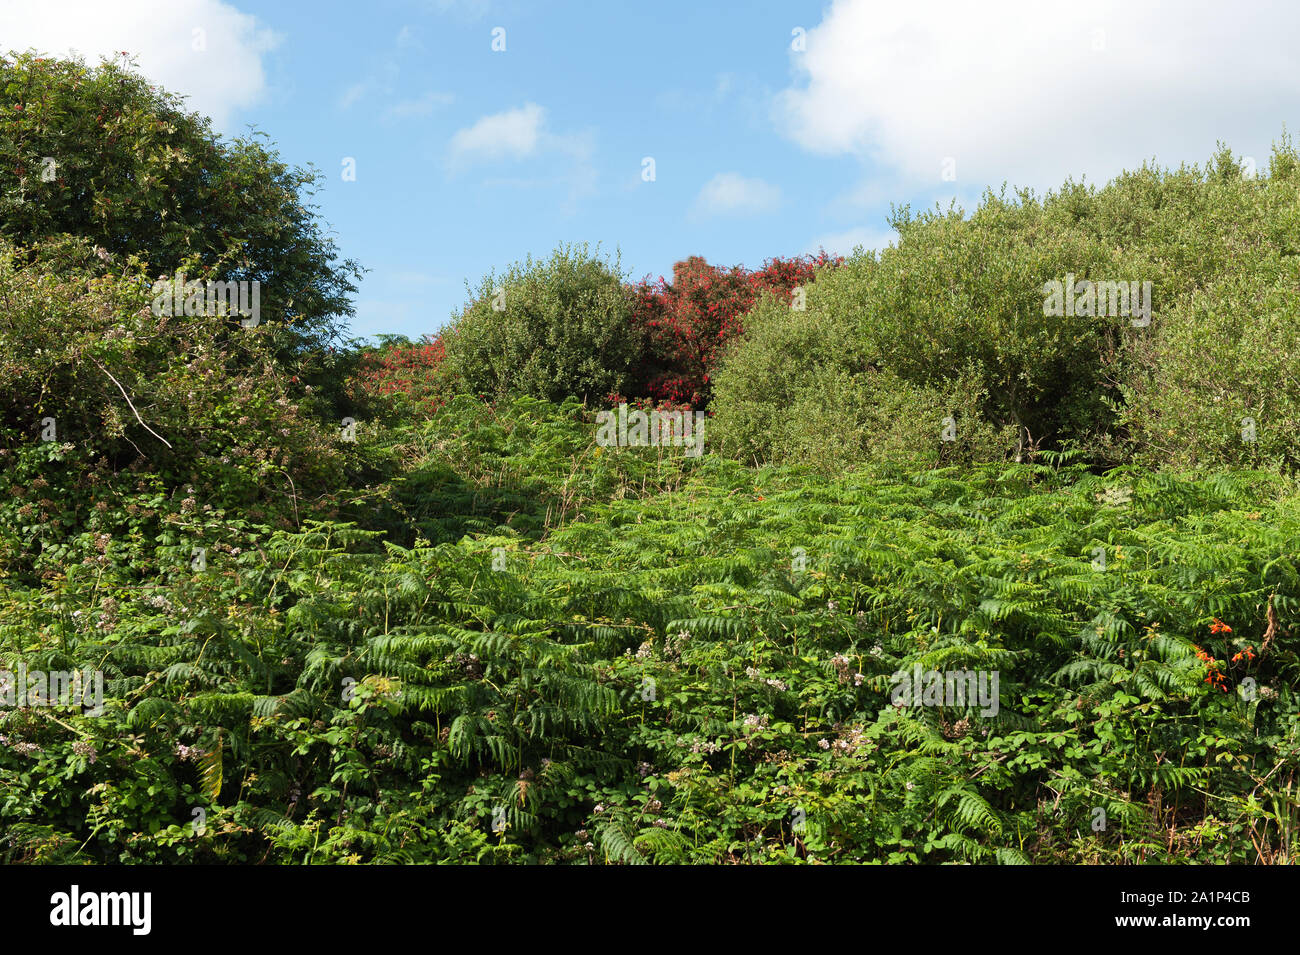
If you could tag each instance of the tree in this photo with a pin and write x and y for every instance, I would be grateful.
(97, 153)
(548, 328)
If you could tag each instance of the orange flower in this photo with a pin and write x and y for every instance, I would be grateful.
(1213, 676)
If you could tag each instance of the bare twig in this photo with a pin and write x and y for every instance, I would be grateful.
(295, 499)
(128, 401)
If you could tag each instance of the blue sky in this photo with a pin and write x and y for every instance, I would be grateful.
(775, 128)
(583, 94)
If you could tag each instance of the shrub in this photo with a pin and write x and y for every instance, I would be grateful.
(671, 678)
(962, 299)
(98, 394)
(1188, 227)
(402, 373)
(802, 388)
(690, 321)
(1218, 383)
(519, 467)
(1220, 248)
(549, 329)
(962, 296)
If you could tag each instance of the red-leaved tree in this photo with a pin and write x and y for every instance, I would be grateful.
(405, 369)
(689, 321)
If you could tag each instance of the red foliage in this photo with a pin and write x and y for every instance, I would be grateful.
(404, 369)
(690, 320)
(688, 323)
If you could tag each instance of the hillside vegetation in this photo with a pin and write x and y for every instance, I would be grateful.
(395, 602)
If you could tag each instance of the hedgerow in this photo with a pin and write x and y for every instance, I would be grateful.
(401, 376)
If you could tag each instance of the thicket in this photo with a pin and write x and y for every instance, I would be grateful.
(693, 667)
(547, 328)
(954, 314)
(398, 376)
(573, 325)
(690, 321)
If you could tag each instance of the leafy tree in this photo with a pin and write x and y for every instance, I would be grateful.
(690, 322)
(548, 328)
(805, 385)
(98, 153)
(960, 308)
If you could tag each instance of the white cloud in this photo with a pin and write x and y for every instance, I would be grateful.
(220, 79)
(1031, 92)
(512, 134)
(517, 134)
(842, 243)
(730, 193)
(556, 159)
(423, 106)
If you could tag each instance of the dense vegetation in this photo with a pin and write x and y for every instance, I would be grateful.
(955, 316)
(394, 602)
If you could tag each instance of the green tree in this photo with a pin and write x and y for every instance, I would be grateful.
(549, 329)
(98, 153)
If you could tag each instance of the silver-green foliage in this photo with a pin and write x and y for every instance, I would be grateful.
(548, 328)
